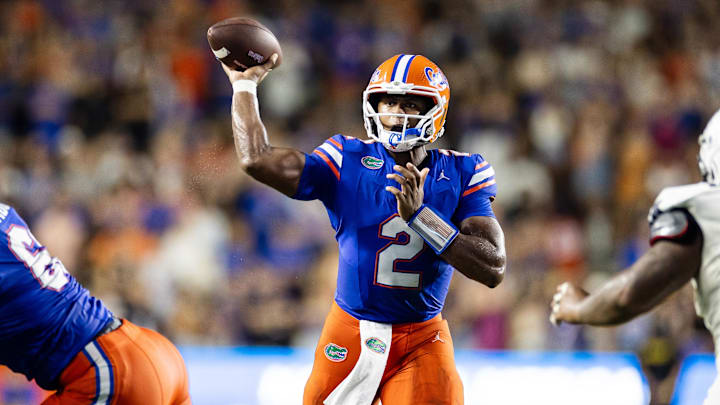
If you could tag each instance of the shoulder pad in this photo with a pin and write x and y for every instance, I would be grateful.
(672, 197)
(676, 197)
(449, 152)
(352, 144)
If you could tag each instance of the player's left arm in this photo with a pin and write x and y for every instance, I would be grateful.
(476, 249)
(672, 261)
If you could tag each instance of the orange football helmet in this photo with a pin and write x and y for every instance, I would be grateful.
(400, 75)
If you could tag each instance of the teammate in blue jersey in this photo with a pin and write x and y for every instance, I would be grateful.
(404, 217)
(53, 331)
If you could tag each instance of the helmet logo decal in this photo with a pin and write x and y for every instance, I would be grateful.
(436, 79)
(376, 76)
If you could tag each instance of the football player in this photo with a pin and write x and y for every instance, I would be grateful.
(53, 331)
(685, 246)
(405, 217)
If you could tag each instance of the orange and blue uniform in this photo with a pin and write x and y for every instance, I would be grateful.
(391, 285)
(55, 332)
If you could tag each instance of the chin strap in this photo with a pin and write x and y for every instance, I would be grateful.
(434, 229)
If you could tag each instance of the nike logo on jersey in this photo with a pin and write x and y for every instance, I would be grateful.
(442, 176)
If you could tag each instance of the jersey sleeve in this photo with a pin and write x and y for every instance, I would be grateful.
(4, 212)
(322, 171)
(8, 217)
(670, 218)
(676, 225)
(479, 190)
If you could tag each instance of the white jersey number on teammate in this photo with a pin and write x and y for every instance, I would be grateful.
(47, 270)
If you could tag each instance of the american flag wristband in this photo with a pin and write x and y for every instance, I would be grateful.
(434, 229)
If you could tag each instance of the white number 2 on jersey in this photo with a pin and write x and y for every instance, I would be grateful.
(394, 252)
(47, 270)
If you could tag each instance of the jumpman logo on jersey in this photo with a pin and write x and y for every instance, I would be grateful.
(442, 176)
(437, 338)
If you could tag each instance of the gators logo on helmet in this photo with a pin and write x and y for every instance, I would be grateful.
(376, 76)
(436, 78)
(407, 75)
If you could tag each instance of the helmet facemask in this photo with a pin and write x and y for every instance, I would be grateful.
(402, 138)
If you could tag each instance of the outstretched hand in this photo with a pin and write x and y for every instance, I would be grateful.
(255, 73)
(411, 194)
(564, 303)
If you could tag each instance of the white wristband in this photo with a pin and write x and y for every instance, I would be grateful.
(244, 85)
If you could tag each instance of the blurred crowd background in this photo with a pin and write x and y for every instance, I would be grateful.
(116, 146)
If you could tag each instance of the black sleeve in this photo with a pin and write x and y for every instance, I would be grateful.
(676, 225)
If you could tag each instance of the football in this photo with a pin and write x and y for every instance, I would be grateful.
(242, 42)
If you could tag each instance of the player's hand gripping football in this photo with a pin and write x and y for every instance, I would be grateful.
(255, 73)
(410, 195)
(564, 303)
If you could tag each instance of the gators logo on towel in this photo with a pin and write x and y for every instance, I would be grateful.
(335, 353)
(376, 345)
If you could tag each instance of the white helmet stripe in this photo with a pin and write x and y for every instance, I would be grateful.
(401, 68)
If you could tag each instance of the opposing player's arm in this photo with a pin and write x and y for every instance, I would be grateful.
(279, 168)
(478, 251)
(672, 261)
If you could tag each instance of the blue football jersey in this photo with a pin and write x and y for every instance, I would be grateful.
(386, 272)
(46, 316)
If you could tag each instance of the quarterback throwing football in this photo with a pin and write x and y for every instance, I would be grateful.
(685, 246)
(404, 217)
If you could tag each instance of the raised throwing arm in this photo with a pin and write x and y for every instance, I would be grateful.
(279, 168)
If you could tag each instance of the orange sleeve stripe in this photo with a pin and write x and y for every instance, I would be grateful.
(478, 187)
(336, 143)
(327, 160)
(481, 165)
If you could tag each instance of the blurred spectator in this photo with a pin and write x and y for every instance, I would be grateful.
(115, 142)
